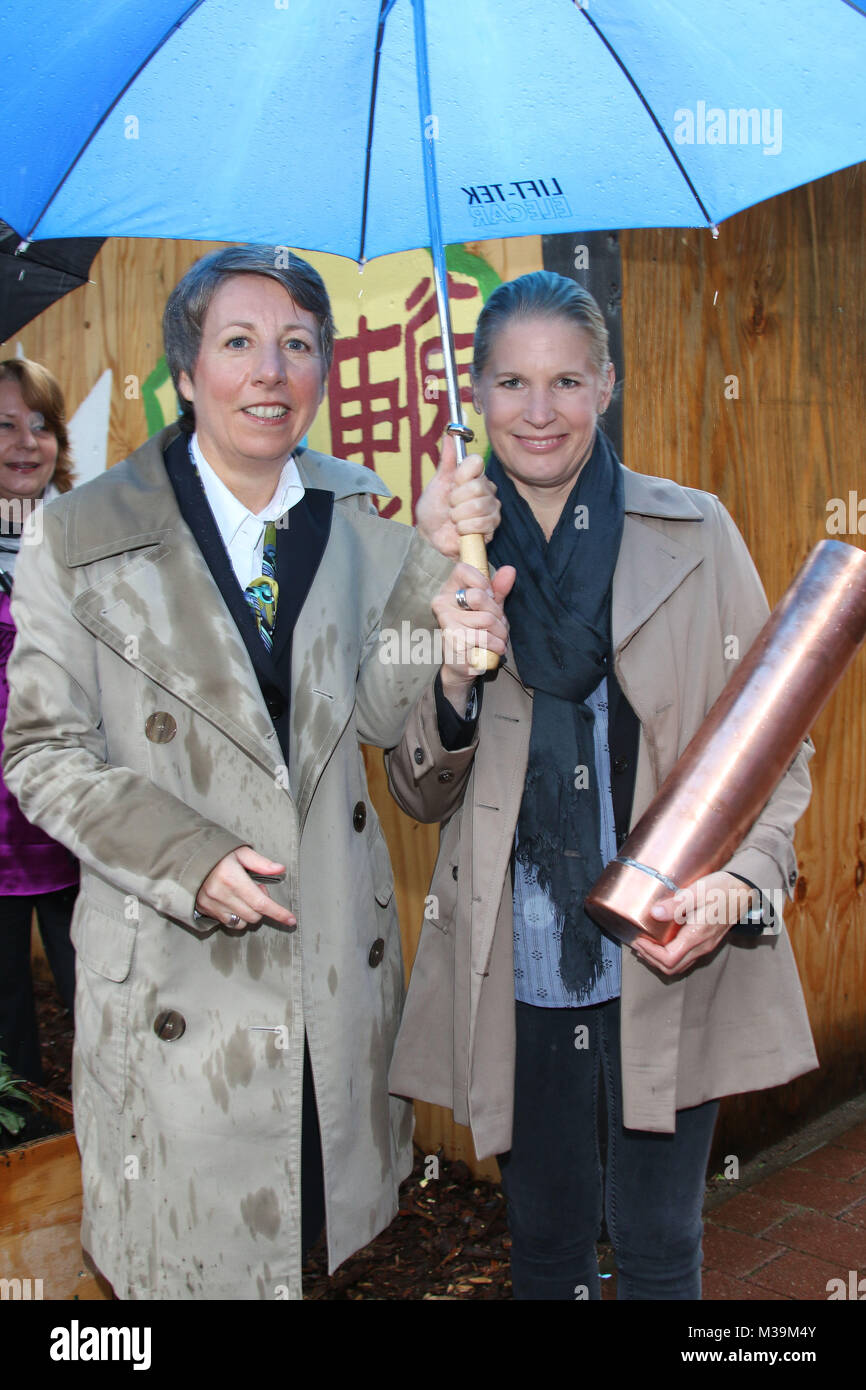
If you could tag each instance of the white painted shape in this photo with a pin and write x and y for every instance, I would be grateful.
(88, 431)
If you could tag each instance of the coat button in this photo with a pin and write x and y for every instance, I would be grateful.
(418, 755)
(169, 1025)
(454, 872)
(620, 764)
(359, 816)
(160, 727)
(377, 952)
(446, 776)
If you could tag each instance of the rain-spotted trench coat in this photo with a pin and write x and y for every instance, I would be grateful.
(190, 1139)
(687, 604)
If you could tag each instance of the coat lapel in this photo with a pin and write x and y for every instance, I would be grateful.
(323, 670)
(160, 609)
(324, 650)
(163, 613)
(505, 762)
(651, 562)
(300, 547)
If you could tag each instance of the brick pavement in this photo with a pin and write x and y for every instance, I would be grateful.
(793, 1231)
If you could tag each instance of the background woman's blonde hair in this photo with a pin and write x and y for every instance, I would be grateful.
(41, 392)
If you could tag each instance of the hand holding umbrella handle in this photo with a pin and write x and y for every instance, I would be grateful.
(472, 548)
(474, 552)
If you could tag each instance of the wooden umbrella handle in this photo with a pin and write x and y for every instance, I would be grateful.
(473, 551)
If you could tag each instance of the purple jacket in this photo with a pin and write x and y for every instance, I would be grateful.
(30, 861)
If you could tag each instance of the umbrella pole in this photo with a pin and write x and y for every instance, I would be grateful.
(472, 548)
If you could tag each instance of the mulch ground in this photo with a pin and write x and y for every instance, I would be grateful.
(55, 1037)
(449, 1241)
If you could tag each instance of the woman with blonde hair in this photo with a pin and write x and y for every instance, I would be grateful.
(522, 1014)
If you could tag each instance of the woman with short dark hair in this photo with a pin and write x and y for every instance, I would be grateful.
(198, 661)
(189, 301)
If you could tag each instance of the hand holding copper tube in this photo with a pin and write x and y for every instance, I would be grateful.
(729, 770)
(707, 911)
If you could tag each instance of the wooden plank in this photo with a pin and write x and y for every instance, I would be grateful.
(40, 1220)
(745, 361)
(510, 258)
(40, 1184)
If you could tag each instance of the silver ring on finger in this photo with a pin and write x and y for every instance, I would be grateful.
(462, 600)
(233, 920)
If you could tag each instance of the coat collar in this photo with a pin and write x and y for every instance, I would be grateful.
(657, 497)
(133, 504)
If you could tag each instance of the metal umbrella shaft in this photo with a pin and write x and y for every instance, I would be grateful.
(472, 548)
(457, 427)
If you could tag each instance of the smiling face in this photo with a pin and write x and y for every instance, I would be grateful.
(541, 396)
(28, 448)
(258, 380)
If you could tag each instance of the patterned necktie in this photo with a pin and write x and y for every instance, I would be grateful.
(261, 594)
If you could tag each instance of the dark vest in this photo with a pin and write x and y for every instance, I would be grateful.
(300, 546)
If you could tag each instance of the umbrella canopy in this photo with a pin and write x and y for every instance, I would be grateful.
(35, 275)
(296, 121)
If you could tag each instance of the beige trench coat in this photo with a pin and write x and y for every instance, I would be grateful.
(190, 1140)
(684, 584)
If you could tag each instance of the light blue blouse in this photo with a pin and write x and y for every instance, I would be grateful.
(537, 938)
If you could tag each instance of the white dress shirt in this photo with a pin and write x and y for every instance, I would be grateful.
(243, 531)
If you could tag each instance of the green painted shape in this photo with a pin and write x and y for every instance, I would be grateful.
(153, 411)
(464, 262)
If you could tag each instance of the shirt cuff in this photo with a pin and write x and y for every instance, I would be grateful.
(455, 732)
(758, 919)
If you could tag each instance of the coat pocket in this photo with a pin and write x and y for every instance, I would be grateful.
(104, 944)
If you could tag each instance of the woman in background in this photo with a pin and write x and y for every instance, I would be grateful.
(35, 871)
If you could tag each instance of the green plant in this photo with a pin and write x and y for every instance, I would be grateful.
(9, 1119)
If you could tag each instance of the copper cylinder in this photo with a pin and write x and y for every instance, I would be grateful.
(723, 780)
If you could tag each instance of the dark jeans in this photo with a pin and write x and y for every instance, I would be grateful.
(653, 1185)
(19, 1034)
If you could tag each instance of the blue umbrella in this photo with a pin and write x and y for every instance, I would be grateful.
(298, 121)
(34, 275)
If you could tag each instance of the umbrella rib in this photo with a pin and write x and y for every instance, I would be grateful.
(105, 115)
(671, 151)
(385, 10)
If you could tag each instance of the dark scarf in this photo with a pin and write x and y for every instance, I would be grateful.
(559, 613)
